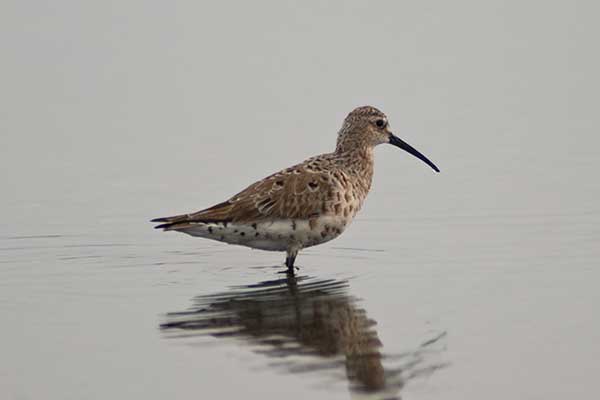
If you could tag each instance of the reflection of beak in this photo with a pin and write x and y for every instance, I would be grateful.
(396, 141)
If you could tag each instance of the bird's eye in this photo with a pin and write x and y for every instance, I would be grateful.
(380, 123)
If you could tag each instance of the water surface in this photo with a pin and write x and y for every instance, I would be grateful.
(478, 282)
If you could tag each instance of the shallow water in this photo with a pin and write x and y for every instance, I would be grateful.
(478, 282)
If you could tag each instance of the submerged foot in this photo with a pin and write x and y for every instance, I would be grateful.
(289, 270)
(289, 262)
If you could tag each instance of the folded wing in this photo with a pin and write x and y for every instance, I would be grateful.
(294, 193)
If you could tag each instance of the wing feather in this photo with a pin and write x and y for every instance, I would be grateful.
(296, 193)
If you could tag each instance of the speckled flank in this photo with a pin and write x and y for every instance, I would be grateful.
(278, 235)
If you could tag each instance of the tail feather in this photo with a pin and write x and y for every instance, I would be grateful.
(217, 213)
(170, 223)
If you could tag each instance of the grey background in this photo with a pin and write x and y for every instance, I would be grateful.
(116, 112)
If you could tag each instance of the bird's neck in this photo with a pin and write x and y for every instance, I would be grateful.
(360, 156)
(358, 163)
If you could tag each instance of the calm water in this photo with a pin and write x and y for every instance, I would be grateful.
(478, 282)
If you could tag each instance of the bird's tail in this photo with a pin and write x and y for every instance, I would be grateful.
(215, 214)
(172, 223)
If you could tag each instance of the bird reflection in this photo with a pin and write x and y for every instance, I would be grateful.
(307, 325)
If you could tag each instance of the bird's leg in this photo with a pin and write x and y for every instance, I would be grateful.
(289, 260)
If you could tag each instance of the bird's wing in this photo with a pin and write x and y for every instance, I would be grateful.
(297, 192)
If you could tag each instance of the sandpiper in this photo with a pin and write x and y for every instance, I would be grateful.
(304, 205)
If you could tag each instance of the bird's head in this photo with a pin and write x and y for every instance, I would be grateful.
(368, 127)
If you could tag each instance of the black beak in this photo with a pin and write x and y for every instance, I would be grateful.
(396, 141)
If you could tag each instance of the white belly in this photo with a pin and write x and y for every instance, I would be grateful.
(278, 235)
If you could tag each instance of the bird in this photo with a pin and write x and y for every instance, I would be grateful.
(304, 205)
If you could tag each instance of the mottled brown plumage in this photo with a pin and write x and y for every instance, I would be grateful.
(303, 205)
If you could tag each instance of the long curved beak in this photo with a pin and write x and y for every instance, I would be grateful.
(396, 141)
